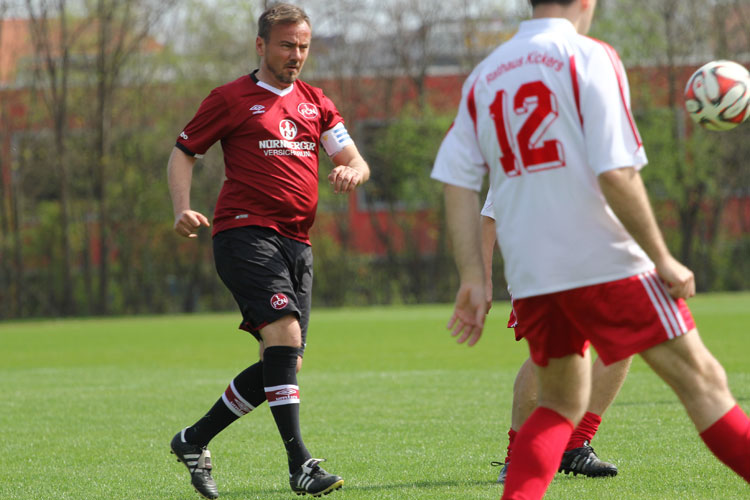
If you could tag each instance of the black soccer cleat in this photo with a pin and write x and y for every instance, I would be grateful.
(503, 471)
(584, 461)
(197, 459)
(312, 480)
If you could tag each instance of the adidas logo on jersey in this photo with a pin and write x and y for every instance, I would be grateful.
(258, 109)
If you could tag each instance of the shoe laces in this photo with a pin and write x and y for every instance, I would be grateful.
(312, 467)
(204, 461)
(203, 464)
(588, 448)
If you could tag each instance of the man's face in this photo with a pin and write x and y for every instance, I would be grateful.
(285, 52)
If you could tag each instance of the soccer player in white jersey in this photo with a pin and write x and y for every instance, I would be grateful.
(271, 127)
(548, 114)
(579, 456)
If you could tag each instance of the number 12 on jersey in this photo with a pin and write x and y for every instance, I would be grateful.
(537, 106)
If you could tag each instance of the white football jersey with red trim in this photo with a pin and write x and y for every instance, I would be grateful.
(546, 113)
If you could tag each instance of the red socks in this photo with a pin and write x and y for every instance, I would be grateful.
(511, 437)
(537, 452)
(539, 444)
(584, 431)
(729, 440)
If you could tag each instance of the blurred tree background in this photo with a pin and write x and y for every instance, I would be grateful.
(93, 94)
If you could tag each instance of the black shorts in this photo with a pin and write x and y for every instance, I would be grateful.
(269, 275)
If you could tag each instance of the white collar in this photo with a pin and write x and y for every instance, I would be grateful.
(546, 24)
(271, 88)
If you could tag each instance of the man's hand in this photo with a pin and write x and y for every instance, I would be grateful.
(186, 224)
(678, 278)
(345, 178)
(468, 314)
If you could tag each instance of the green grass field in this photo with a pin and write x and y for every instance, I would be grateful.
(399, 410)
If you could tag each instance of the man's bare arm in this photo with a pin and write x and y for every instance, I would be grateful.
(351, 170)
(179, 178)
(462, 215)
(624, 191)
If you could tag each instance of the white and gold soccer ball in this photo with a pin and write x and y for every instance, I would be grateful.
(717, 95)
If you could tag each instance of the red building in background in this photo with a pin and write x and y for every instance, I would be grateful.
(361, 99)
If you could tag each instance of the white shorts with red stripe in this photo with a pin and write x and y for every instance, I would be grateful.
(619, 318)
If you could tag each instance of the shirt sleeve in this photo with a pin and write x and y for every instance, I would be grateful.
(210, 124)
(612, 137)
(330, 115)
(334, 137)
(459, 160)
(487, 209)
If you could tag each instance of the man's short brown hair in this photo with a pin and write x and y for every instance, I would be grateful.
(280, 13)
(534, 3)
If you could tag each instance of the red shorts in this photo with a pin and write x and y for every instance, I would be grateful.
(619, 318)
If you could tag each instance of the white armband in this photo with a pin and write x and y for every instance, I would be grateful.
(336, 139)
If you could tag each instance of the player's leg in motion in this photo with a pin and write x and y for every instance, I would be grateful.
(579, 456)
(700, 382)
(283, 339)
(524, 403)
(564, 388)
(243, 394)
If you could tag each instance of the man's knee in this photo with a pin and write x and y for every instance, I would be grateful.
(688, 366)
(572, 405)
(709, 376)
(565, 386)
(284, 331)
(262, 347)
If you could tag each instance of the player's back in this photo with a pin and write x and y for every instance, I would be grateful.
(551, 112)
(528, 98)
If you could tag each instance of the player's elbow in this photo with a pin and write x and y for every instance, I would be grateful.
(617, 176)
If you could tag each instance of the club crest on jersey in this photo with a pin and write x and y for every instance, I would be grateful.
(308, 110)
(288, 129)
(279, 301)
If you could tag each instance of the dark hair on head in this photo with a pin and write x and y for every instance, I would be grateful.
(534, 3)
(280, 13)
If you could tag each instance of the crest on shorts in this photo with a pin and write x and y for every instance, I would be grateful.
(279, 301)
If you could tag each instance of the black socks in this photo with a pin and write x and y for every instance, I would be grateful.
(244, 393)
(282, 393)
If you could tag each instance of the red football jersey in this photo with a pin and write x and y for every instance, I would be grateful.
(270, 139)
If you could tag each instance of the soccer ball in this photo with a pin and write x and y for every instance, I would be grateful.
(717, 96)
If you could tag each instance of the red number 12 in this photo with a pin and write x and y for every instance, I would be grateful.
(536, 101)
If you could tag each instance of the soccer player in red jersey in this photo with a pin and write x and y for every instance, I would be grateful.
(548, 115)
(270, 125)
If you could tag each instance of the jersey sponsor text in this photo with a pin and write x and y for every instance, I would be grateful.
(533, 57)
(280, 147)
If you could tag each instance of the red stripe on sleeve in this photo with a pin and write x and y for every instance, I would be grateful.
(472, 106)
(617, 65)
(576, 90)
